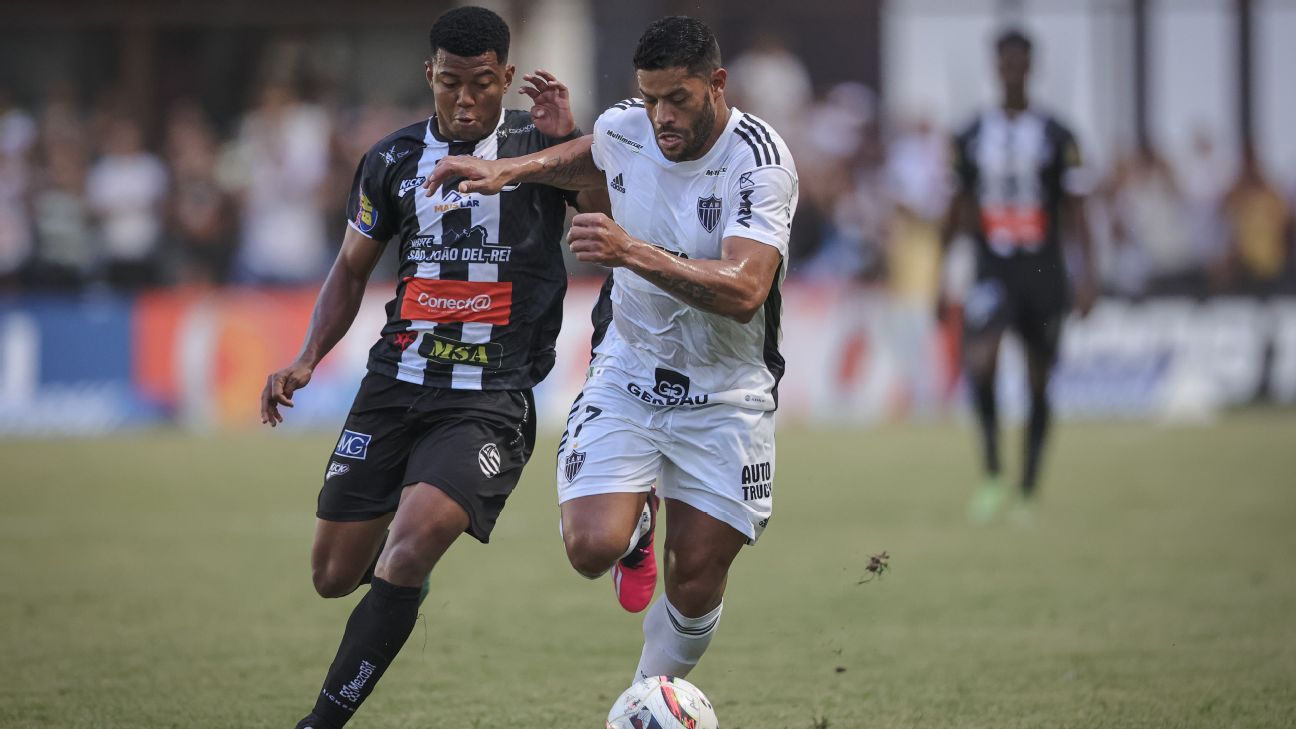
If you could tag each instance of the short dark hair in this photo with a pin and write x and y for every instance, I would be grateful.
(1013, 37)
(470, 31)
(678, 41)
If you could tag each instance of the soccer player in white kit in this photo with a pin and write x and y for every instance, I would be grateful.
(683, 384)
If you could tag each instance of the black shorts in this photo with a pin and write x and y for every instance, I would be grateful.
(1029, 294)
(471, 444)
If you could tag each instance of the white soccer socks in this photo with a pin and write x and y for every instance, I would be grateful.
(673, 643)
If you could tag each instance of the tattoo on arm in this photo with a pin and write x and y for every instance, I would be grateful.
(569, 166)
(692, 293)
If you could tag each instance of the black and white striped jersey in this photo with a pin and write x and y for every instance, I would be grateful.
(481, 280)
(1017, 170)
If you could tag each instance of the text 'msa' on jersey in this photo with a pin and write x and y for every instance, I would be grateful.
(1017, 171)
(664, 351)
(481, 280)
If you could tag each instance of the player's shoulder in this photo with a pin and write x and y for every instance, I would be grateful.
(1054, 127)
(754, 143)
(518, 124)
(400, 143)
(517, 135)
(625, 124)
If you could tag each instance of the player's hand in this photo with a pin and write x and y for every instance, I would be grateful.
(279, 389)
(596, 238)
(1085, 296)
(551, 104)
(485, 176)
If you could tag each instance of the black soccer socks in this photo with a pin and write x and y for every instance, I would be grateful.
(987, 410)
(1036, 431)
(378, 627)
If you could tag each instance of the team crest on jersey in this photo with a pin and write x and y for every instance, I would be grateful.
(391, 155)
(572, 464)
(366, 217)
(708, 210)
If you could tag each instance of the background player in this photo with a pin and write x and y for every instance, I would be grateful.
(443, 422)
(683, 385)
(1015, 169)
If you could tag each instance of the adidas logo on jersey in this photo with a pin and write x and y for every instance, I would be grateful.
(618, 184)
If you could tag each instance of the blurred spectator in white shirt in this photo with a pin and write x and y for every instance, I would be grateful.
(768, 80)
(1205, 176)
(126, 188)
(17, 137)
(1149, 226)
(281, 162)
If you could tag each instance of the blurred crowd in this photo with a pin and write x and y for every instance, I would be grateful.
(91, 198)
(874, 193)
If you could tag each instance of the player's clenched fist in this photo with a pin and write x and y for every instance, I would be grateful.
(279, 390)
(596, 238)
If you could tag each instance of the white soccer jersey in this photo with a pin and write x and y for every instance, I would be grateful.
(660, 349)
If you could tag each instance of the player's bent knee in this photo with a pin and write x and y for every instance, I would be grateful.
(593, 553)
(332, 582)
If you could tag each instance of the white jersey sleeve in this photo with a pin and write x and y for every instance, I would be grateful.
(764, 200)
(609, 141)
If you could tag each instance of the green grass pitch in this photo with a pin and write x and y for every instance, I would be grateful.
(162, 581)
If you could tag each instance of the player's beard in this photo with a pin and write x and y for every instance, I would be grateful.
(698, 133)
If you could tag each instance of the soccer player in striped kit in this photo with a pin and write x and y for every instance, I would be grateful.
(1020, 193)
(444, 420)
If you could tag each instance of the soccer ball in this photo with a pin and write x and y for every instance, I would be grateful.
(662, 702)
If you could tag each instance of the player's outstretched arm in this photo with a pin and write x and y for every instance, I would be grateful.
(734, 286)
(569, 165)
(335, 308)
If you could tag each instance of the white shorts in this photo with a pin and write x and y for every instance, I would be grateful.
(717, 458)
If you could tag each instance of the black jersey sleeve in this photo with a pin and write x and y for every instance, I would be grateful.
(962, 160)
(370, 207)
(1066, 165)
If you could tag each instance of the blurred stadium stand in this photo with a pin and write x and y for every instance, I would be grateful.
(173, 174)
